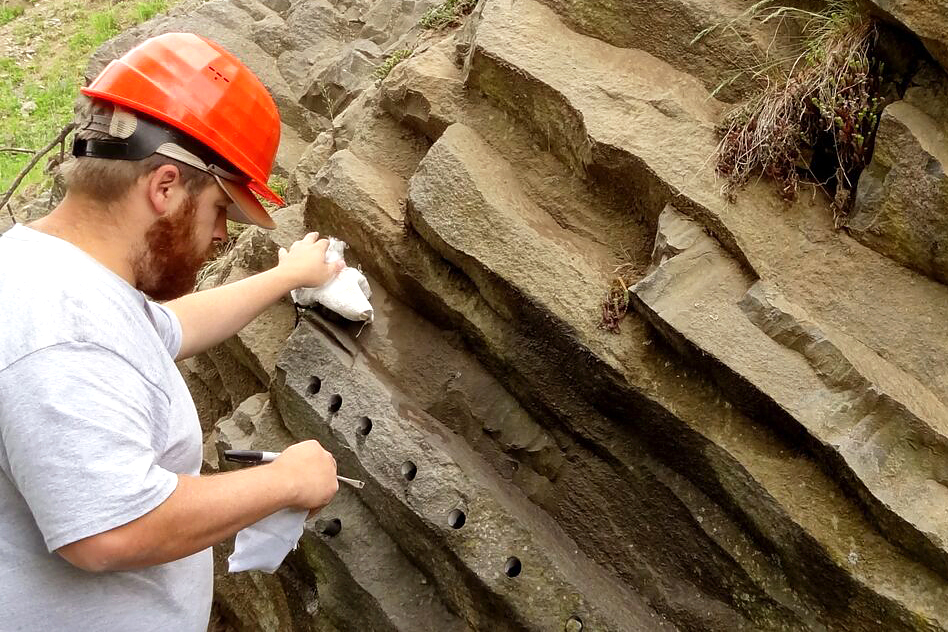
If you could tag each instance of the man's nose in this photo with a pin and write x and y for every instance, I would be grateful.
(220, 227)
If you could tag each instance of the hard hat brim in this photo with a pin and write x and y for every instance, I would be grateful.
(246, 208)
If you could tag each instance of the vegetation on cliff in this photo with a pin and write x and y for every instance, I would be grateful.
(817, 112)
(47, 47)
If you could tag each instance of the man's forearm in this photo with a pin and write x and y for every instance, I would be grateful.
(201, 512)
(211, 316)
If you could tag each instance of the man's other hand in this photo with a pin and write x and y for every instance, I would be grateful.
(311, 470)
(304, 264)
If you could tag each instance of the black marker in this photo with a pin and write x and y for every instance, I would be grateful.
(260, 456)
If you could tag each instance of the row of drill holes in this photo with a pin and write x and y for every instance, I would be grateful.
(456, 518)
(512, 567)
(335, 400)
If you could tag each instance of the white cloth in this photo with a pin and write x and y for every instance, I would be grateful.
(347, 293)
(263, 545)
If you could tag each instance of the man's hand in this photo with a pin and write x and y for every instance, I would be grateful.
(305, 262)
(311, 471)
(204, 510)
(212, 316)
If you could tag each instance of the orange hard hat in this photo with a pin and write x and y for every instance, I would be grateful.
(195, 86)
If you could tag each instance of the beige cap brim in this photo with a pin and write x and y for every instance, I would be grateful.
(246, 208)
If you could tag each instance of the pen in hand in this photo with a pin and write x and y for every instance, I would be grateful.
(261, 456)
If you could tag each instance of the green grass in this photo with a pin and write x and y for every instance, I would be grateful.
(7, 14)
(51, 79)
(279, 185)
(448, 13)
(391, 61)
(145, 11)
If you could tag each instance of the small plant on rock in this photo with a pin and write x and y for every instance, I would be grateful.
(391, 61)
(818, 118)
(448, 13)
(615, 306)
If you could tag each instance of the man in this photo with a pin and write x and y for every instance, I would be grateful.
(105, 522)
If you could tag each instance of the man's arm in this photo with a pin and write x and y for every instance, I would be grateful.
(212, 316)
(205, 510)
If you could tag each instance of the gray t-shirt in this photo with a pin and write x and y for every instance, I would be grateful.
(95, 423)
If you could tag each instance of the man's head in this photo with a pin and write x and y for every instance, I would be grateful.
(184, 207)
(176, 245)
(181, 136)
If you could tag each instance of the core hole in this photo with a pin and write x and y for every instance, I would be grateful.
(314, 385)
(513, 567)
(409, 470)
(335, 403)
(573, 624)
(364, 427)
(456, 519)
(333, 527)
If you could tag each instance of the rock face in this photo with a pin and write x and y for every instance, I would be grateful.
(902, 195)
(926, 18)
(713, 41)
(764, 446)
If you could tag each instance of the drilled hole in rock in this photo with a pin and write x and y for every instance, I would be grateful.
(513, 567)
(333, 527)
(456, 519)
(335, 403)
(573, 624)
(314, 385)
(364, 427)
(409, 470)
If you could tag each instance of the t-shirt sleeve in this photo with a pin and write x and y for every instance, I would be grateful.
(80, 440)
(167, 325)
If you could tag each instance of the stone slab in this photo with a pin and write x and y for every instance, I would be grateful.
(469, 563)
(865, 419)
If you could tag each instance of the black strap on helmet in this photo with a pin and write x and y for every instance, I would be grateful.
(148, 136)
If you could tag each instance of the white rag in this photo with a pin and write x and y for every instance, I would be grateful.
(263, 545)
(347, 293)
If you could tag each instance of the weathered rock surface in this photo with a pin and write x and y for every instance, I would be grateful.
(902, 195)
(364, 581)
(926, 18)
(25, 209)
(363, 202)
(879, 429)
(480, 542)
(387, 20)
(650, 134)
(343, 79)
(311, 161)
(711, 40)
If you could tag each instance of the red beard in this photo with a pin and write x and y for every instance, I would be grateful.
(171, 262)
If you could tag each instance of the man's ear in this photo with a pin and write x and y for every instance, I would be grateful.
(164, 189)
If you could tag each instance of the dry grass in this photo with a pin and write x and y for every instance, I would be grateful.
(828, 101)
(616, 305)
